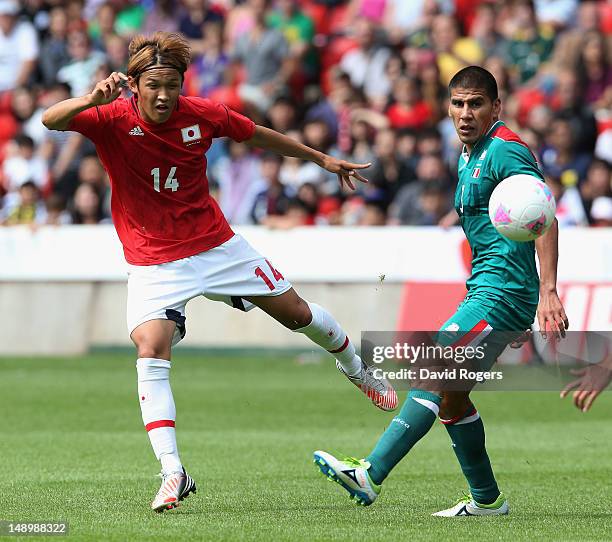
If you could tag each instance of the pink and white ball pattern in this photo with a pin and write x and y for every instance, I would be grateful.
(522, 208)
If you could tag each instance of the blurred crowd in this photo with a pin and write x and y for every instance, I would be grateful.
(360, 79)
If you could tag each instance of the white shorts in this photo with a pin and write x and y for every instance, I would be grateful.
(228, 273)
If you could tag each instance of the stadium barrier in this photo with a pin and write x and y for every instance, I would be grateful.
(63, 290)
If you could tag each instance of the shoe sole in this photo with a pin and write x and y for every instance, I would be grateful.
(359, 497)
(173, 505)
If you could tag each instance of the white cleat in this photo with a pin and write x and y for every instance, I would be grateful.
(175, 487)
(351, 474)
(378, 390)
(467, 506)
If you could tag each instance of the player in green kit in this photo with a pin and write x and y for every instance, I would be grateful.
(504, 295)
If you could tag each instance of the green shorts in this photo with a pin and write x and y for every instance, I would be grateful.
(486, 322)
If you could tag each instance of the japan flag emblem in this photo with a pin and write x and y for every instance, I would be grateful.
(191, 134)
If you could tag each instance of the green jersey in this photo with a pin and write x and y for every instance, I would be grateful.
(501, 268)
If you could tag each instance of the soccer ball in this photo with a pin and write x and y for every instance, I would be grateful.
(522, 208)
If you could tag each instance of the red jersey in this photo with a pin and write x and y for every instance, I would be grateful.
(160, 202)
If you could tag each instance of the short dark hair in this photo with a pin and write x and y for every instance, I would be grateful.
(475, 77)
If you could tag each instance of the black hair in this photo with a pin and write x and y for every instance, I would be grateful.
(24, 140)
(475, 77)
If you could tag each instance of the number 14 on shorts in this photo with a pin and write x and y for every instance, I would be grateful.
(263, 276)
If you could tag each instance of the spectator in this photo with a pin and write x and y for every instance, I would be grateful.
(560, 157)
(408, 110)
(388, 173)
(484, 30)
(207, 71)
(283, 115)
(571, 106)
(497, 66)
(373, 213)
(454, 52)
(102, 26)
(528, 45)
(595, 71)
(362, 136)
(598, 184)
(434, 93)
(401, 18)
(87, 208)
(19, 46)
(558, 14)
(56, 214)
(54, 51)
(264, 53)
(23, 165)
(406, 147)
(407, 207)
(295, 172)
(116, 49)
(191, 23)
(317, 136)
(238, 176)
(130, 18)
(429, 142)
(301, 210)
(18, 114)
(364, 101)
(240, 20)
(603, 147)
(570, 210)
(161, 18)
(26, 208)
(601, 212)
(434, 203)
(366, 64)
(568, 46)
(274, 199)
(91, 172)
(60, 149)
(372, 10)
(83, 65)
(298, 29)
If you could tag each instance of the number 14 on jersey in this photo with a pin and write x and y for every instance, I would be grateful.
(171, 181)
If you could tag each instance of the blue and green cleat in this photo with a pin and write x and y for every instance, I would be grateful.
(351, 474)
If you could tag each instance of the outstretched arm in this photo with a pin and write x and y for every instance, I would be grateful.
(550, 309)
(266, 138)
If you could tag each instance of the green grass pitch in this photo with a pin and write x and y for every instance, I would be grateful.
(73, 448)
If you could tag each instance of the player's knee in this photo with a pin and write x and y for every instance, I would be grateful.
(454, 404)
(153, 351)
(151, 347)
(300, 315)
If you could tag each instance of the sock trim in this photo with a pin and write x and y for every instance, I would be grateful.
(469, 419)
(462, 419)
(428, 404)
(343, 347)
(427, 395)
(159, 423)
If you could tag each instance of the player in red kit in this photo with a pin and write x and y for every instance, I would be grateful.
(176, 241)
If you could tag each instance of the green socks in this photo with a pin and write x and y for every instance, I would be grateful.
(468, 438)
(414, 420)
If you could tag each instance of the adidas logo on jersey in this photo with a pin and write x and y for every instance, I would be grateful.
(136, 131)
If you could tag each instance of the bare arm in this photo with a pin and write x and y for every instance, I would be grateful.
(25, 71)
(59, 115)
(67, 153)
(266, 138)
(550, 309)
